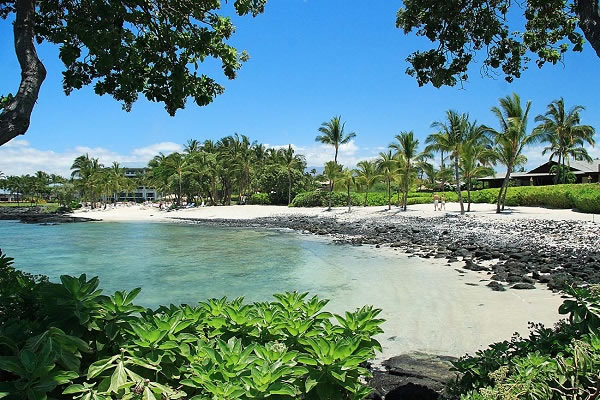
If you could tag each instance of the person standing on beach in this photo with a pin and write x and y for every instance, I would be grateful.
(436, 199)
(443, 204)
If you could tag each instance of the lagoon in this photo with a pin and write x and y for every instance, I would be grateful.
(428, 305)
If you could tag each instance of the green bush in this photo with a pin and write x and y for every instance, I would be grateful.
(320, 198)
(77, 343)
(259, 198)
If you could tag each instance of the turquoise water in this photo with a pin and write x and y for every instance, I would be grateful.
(179, 263)
(427, 305)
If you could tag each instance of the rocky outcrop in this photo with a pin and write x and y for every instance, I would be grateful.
(415, 376)
(36, 215)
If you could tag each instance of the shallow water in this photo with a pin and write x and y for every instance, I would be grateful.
(427, 305)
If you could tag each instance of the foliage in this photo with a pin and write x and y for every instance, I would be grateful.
(259, 198)
(332, 133)
(460, 30)
(320, 198)
(552, 363)
(77, 343)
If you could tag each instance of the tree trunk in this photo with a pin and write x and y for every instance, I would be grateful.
(558, 169)
(389, 194)
(589, 22)
(469, 195)
(366, 197)
(289, 188)
(405, 196)
(460, 200)
(398, 199)
(15, 118)
(503, 189)
(330, 194)
(349, 202)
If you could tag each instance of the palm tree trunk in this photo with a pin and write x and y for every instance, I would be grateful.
(405, 197)
(559, 168)
(330, 194)
(366, 197)
(460, 200)
(349, 202)
(469, 195)
(289, 188)
(503, 189)
(389, 194)
(398, 199)
(336, 153)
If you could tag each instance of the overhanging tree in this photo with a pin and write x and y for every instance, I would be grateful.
(124, 48)
(460, 29)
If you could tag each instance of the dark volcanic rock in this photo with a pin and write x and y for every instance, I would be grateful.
(523, 286)
(496, 286)
(416, 373)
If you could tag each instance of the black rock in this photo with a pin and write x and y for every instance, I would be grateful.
(496, 286)
(522, 286)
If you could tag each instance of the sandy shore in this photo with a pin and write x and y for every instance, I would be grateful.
(472, 316)
(479, 211)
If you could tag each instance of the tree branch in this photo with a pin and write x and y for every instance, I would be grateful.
(15, 118)
(589, 21)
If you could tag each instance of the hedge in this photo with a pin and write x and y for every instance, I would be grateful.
(583, 197)
(259, 198)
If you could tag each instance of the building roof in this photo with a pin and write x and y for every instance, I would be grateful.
(577, 168)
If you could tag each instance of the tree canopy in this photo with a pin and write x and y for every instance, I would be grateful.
(124, 48)
(462, 28)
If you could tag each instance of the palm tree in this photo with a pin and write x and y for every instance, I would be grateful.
(291, 162)
(450, 138)
(332, 172)
(333, 134)
(406, 151)
(475, 159)
(562, 130)
(387, 167)
(512, 138)
(117, 179)
(84, 172)
(367, 176)
(348, 179)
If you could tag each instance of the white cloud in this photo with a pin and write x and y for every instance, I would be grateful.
(18, 157)
(317, 155)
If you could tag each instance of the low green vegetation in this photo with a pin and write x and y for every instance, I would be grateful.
(68, 340)
(583, 197)
(557, 363)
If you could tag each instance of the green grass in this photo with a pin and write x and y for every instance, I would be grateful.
(48, 207)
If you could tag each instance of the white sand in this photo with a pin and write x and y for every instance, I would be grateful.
(481, 211)
(445, 315)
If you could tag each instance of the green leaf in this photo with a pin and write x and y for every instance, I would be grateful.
(118, 378)
(100, 366)
(77, 388)
(281, 388)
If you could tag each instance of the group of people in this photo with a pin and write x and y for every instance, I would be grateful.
(439, 203)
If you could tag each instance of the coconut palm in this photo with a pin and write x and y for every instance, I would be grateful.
(387, 166)
(348, 179)
(332, 172)
(512, 138)
(406, 151)
(334, 135)
(450, 137)
(566, 137)
(367, 175)
(291, 162)
(84, 171)
(475, 159)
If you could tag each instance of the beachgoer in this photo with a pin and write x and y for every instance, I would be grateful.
(436, 199)
(443, 205)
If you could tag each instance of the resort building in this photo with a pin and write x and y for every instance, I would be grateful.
(583, 171)
(7, 196)
(141, 193)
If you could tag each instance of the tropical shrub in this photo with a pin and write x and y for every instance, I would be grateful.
(75, 342)
(259, 198)
(320, 198)
(552, 363)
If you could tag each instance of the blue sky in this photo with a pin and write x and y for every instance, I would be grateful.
(310, 60)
